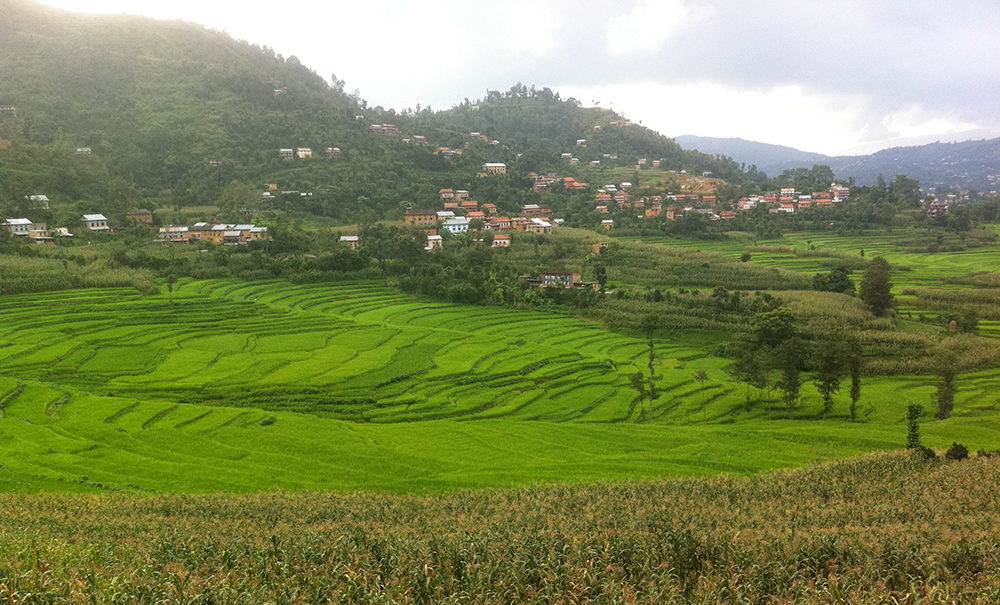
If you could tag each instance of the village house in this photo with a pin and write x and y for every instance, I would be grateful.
(599, 247)
(489, 208)
(608, 224)
(727, 214)
(574, 161)
(451, 206)
(456, 225)
(581, 142)
(39, 202)
(641, 162)
(333, 152)
(498, 223)
(476, 214)
(95, 222)
(536, 225)
(303, 152)
(419, 217)
(83, 150)
(495, 168)
(434, 242)
(470, 205)
(566, 156)
(174, 233)
(286, 154)
(461, 194)
(595, 162)
(501, 241)
(656, 163)
(601, 209)
(387, 129)
(350, 240)
(419, 139)
(559, 279)
(141, 215)
(445, 214)
(446, 194)
(535, 210)
(517, 222)
(19, 227)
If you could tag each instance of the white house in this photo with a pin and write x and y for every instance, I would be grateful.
(17, 226)
(95, 222)
(459, 224)
(434, 242)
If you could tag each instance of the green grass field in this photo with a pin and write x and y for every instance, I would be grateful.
(241, 386)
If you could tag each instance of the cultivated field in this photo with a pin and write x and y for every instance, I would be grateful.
(250, 385)
(885, 528)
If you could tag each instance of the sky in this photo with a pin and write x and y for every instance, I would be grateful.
(834, 77)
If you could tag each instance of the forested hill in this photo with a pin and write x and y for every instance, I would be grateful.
(172, 113)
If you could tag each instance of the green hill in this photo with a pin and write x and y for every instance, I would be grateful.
(173, 112)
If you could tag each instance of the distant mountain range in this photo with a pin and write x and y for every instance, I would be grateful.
(973, 164)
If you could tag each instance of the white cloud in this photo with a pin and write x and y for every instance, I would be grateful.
(648, 26)
(917, 121)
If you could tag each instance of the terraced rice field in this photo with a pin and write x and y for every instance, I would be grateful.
(355, 352)
(242, 386)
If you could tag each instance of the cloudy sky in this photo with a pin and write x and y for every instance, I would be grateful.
(843, 76)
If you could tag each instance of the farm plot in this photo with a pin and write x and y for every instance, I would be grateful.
(358, 351)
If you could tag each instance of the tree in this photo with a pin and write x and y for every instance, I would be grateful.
(751, 369)
(649, 324)
(913, 411)
(829, 368)
(945, 395)
(171, 280)
(772, 328)
(701, 376)
(837, 280)
(876, 287)
(601, 276)
(788, 358)
(855, 363)
(238, 201)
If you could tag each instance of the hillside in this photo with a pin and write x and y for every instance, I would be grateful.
(974, 164)
(172, 112)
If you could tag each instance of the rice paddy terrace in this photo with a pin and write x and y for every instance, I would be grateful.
(354, 352)
(249, 385)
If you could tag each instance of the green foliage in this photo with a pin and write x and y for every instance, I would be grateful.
(876, 287)
(837, 280)
(830, 359)
(913, 411)
(945, 395)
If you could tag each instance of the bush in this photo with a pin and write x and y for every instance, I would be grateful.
(957, 452)
(924, 453)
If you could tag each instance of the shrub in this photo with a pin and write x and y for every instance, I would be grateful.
(956, 452)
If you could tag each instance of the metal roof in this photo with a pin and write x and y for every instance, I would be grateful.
(94, 217)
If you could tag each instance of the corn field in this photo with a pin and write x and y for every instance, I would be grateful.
(886, 528)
